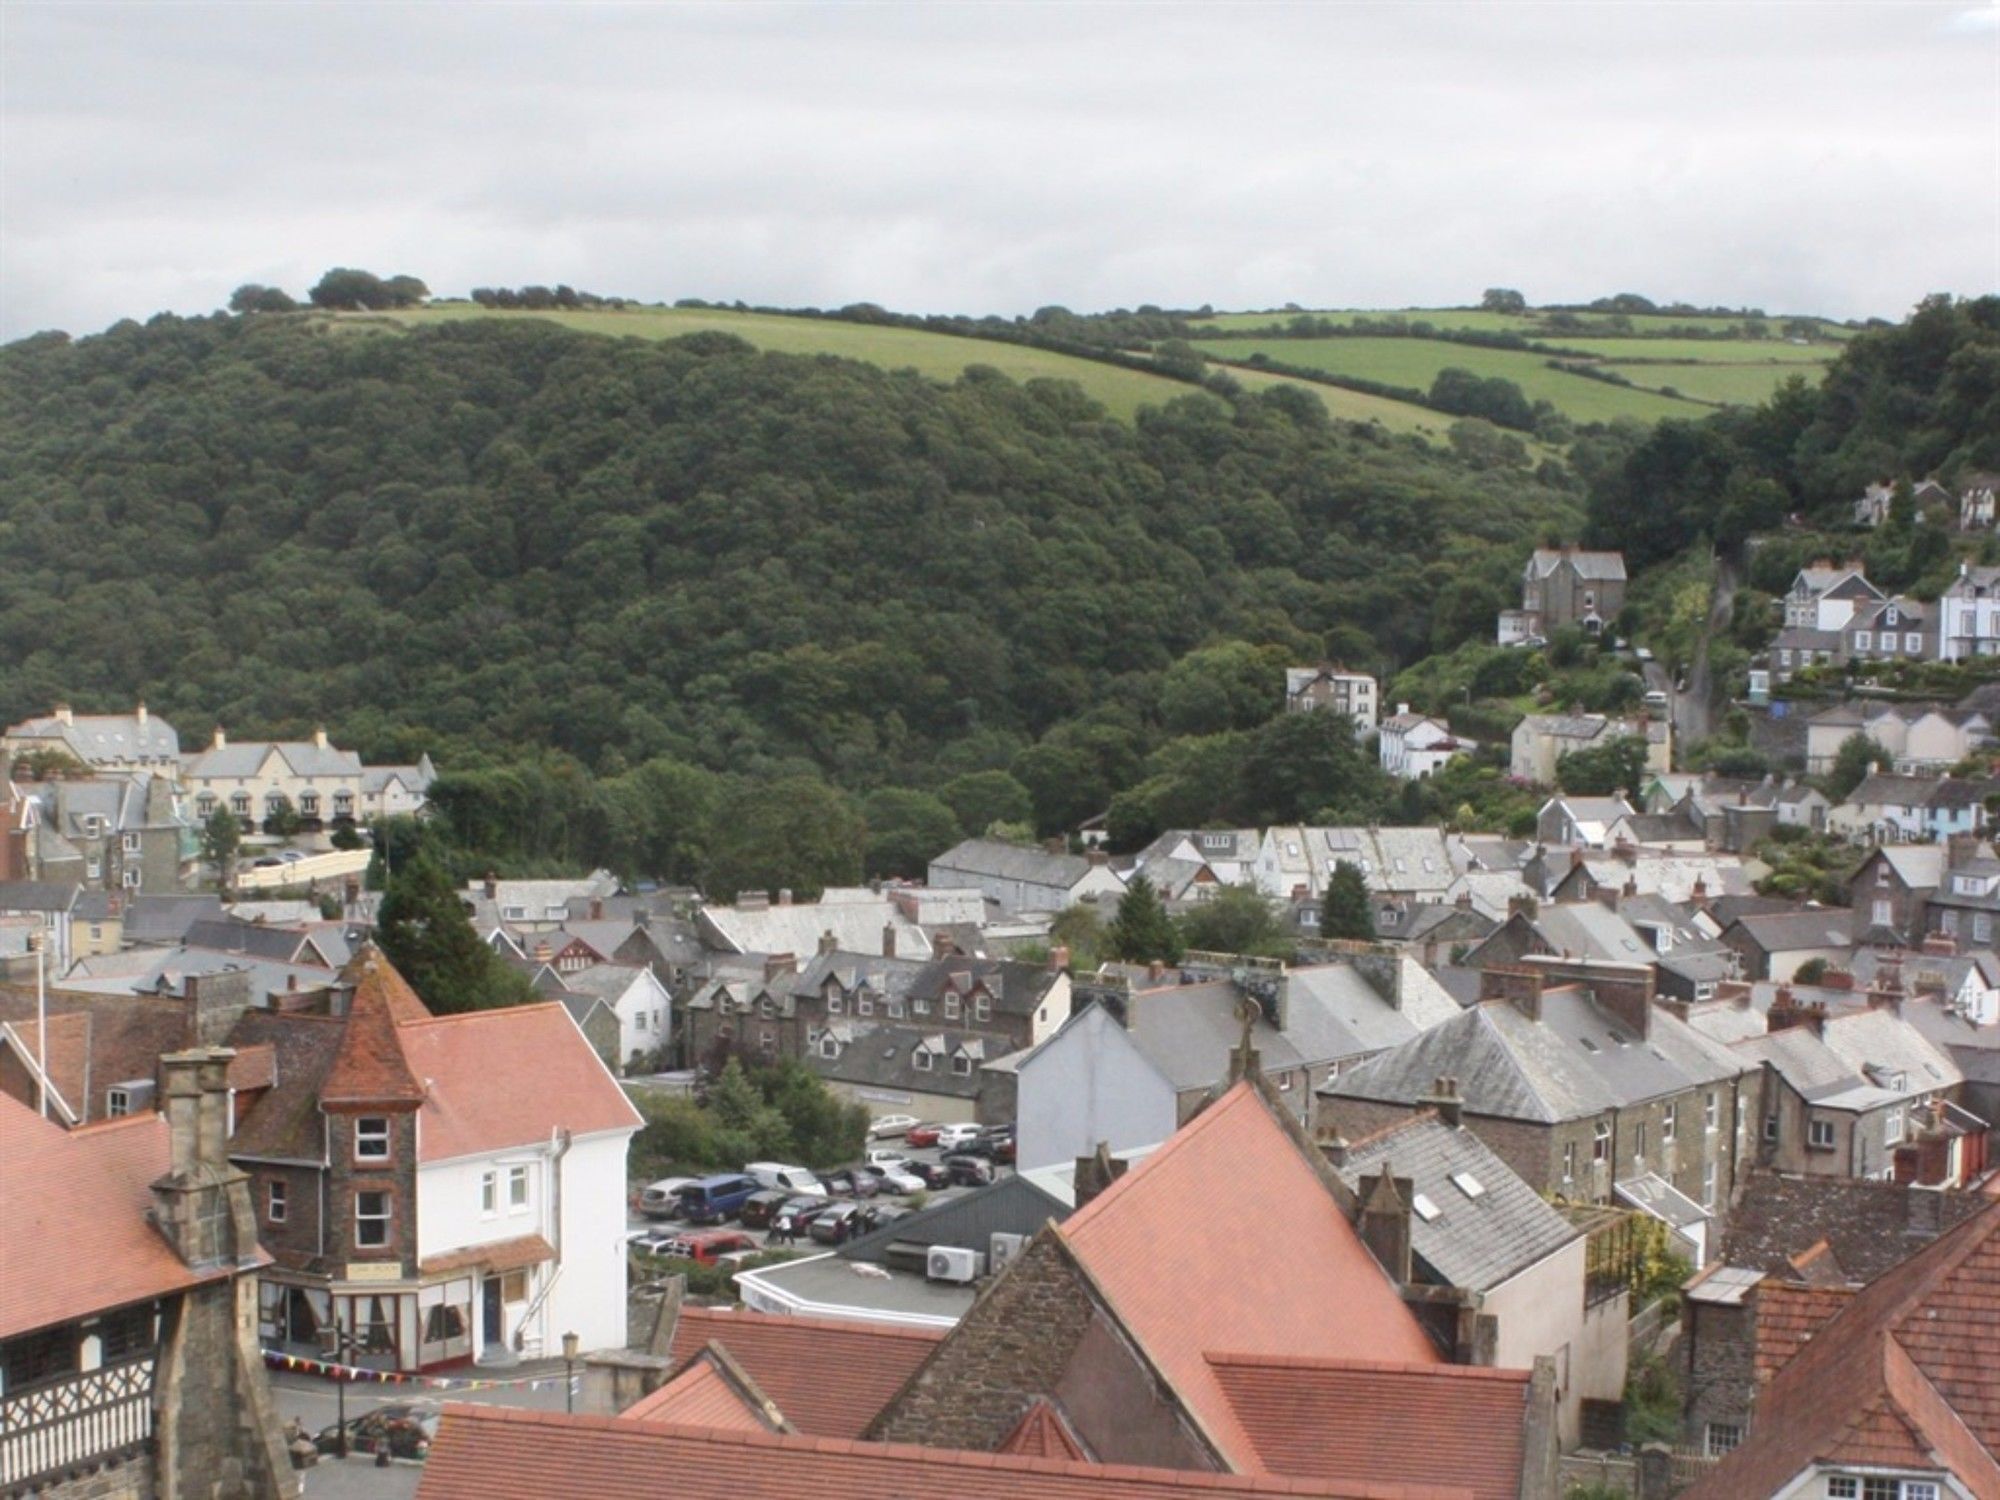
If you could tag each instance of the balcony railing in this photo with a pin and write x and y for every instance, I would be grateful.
(95, 1418)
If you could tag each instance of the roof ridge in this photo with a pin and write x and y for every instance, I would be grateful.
(1382, 1133)
(749, 1317)
(485, 1013)
(1370, 1366)
(1174, 1144)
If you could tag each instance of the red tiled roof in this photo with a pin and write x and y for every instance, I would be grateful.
(829, 1378)
(1331, 1419)
(254, 1067)
(74, 1237)
(704, 1395)
(1787, 1316)
(68, 1068)
(500, 1255)
(1042, 1433)
(1289, 1276)
(499, 1078)
(370, 1069)
(498, 1453)
(1906, 1369)
(127, 1036)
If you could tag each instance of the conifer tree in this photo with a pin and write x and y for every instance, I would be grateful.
(1347, 912)
(1142, 931)
(427, 934)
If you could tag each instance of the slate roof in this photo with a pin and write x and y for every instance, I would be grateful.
(1181, 1296)
(123, 1037)
(1511, 1067)
(1870, 1226)
(1903, 1376)
(245, 758)
(1599, 566)
(1188, 1030)
(829, 1377)
(1475, 1242)
(1590, 929)
(1333, 1419)
(278, 945)
(74, 1233)
(856, 927)
(495, 1453)
(285, 1124)
(1814, 1070)
(1018, 989)
(1793, 931)
(98, 738)
(1013, 1205)
(37, 895)
(883, 1055)
(1004, 861)
(608, 982)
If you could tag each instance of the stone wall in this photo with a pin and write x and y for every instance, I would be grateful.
(134, 1479)
(1717, 1359)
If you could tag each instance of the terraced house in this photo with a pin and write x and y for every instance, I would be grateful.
(257, 780)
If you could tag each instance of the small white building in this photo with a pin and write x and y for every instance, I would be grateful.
(635, 995)
(1415, 746)
(1326, 686)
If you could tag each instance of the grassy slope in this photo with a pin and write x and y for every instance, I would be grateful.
(1479, 321)
(1738, 385)
(1701, 351)
(1415, 363)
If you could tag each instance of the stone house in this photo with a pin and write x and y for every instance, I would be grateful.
(137, 741)
(142, 1377)
(1565, 586)
(1021, 878)
(1577, 1080)
(326, 787)
(1542, 740)
(125, 832)
(1897, 629)
(1336, 690)
(1890, 892)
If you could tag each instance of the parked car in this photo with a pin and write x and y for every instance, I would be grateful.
(921, 1135)
(662, 1199)
(775, 1174)
(838, 1224)
(886, 1127)
(404, 1429)
(704, 1246)
(717, 1199)
(796, 1214)
(848, 1183)
(758, 1208)
(885, 1158)
(894, 1179)
(968, 1171)
(653, 1241)
(888, 1213)
(951, 1137)
(993, 1148)
(932, 1174)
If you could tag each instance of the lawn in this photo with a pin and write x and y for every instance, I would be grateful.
(937, 355)
(1415, 363)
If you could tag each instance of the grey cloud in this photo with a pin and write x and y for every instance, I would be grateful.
(998, 157)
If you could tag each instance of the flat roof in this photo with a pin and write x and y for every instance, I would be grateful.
(830, 1286)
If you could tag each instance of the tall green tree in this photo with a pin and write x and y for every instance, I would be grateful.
(983, 798)
(795, 833)
(426, 932)
(221, 840)
(1236, 919)
(906, 830)
(1614, 769)
(1142, 932)
(1858, 755)
(1346, 911)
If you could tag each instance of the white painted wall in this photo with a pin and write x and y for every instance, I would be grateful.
(1540, 1311)
(1090, 1084)
(647, 997)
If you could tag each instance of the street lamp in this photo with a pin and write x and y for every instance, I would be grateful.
(344, 1345)
(570, 1343)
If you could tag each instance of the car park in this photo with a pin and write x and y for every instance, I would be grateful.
(850, 1183)
(932, 1174)
(887, 1127)
(794, 1216)
(758, 1208)
(777, 1175)
(895, 1179)
(717, 1199)
(705, 1246)
(969, 1171)
(922, 1135)
(402, 1429)
(993, 1148)
(951, 1137)
(662, 1199)
(653, 1241)
(885, 1158)
(839, 1224)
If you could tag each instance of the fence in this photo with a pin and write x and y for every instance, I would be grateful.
(1657, 1473)
(105, 1414)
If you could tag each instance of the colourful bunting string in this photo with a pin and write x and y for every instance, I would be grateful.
(360, 1375)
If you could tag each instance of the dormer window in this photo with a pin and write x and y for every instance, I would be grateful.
(961, 1065)
(829, 1046)
(371, 1138)
(951, 1007)
(834, 1002)
(921, 1059)
(864, 1004)
(982, 1009)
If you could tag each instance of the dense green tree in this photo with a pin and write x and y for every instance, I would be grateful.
(906, 830)
(221, 840)
(1615, 769)
(1346, 910)
(980, 799)
(1503, 300)
(252, 298)
(1236, 919)
(426, 932)
(1081, 931)
(1858, 755)
(1142, 932)
(1231, 686)
(795, 833)
(1308, 767)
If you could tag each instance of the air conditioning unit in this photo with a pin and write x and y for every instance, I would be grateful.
(953, 1263)
(1003, 1248)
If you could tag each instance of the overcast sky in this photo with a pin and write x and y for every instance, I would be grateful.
(996, 157)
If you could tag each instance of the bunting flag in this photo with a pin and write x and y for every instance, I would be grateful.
(360, 1375)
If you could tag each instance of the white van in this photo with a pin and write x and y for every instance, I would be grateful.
(775, 1175)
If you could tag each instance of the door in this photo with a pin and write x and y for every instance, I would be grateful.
(492, 1330)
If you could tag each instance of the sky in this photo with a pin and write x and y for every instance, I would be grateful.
(995, 156)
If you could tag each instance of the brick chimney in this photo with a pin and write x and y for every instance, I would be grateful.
(221, 740)
(888, 939)
(597, 908)
(63, 714)
(1058, 958)
(1096, 1172)
(1333, 1146)
(1096, 855)
(1787, 1011)
(215, 1003)
(1837, 979)
(1445, 1099)
(941, 945)
(828, 943)
(1520, 988)
(216, 1431)
(1385, 1223)
(779, 963)
(492, 884)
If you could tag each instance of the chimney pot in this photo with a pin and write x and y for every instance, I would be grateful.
(63, 714)
(319, 736)
(785, 896)
(221, 738)
(1058, 958)
(139, 713)
(828, 943)
(888, 939)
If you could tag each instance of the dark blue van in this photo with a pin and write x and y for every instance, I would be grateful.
(716, 1200)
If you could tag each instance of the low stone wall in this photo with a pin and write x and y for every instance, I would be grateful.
(132, 1479)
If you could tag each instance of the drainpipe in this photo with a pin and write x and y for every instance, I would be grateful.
(559, 1142)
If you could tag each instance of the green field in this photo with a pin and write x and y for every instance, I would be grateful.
(1415, 363)
(1477, 320)
(1701, 351)
(1735, 385)
(1356, 406)
(937, 355)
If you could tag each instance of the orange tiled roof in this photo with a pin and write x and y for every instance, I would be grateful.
(500, 1078)
(1906, 1369)
(74, 1237)
(68, 1068)
(370, 1067)
(1330, 1419)
(499, 1255)
(706, 1394)
(498, 1453)
(254, 1067)
(1289, 1277)
(1787, 1316)
(1042, 1433)
(829, 1378)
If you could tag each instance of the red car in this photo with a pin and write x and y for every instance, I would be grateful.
(707, 1246)
(923, 1135)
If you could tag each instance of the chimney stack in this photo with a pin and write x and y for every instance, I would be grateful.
(1385, 1223)
(828, 943)
(1058, 958)
(492, 880)
(139, 712)
(596, 908)
(941, 945)
(221, 738)
(1333, 1146)
(776, 964)
(63, 714)
(1444, 1098)
(888, 939)
(1096, 1172)
(319, 736)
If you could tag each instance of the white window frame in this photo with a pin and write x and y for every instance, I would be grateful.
(383, 1221)
(1821, 1135)
(1864, 640)
(1720, 1438)
(364, 1138)
(1670, 1123)
(921, 1060)
(1600, 1143)
(275, 1204)
(1892, 1128)
(117, 1102)
(1711, 1113)
(489, 1194)
(518, 1190)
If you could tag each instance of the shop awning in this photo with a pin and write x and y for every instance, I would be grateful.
(501, 1255)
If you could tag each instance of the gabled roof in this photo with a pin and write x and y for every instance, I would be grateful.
(1599, 566)
(166, 919)
(1440, 1424)
(496, 1453)
(1488, 1224)
(828, 1377)
(95, 738)
(712, 1390)
(370, 1066)
(1181, 1295)
(243, 758)
(1870, 1226)
(1794, 931)
(1005, 861)
(1903, 1376)
(75, 1238)
(1043, 1432)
